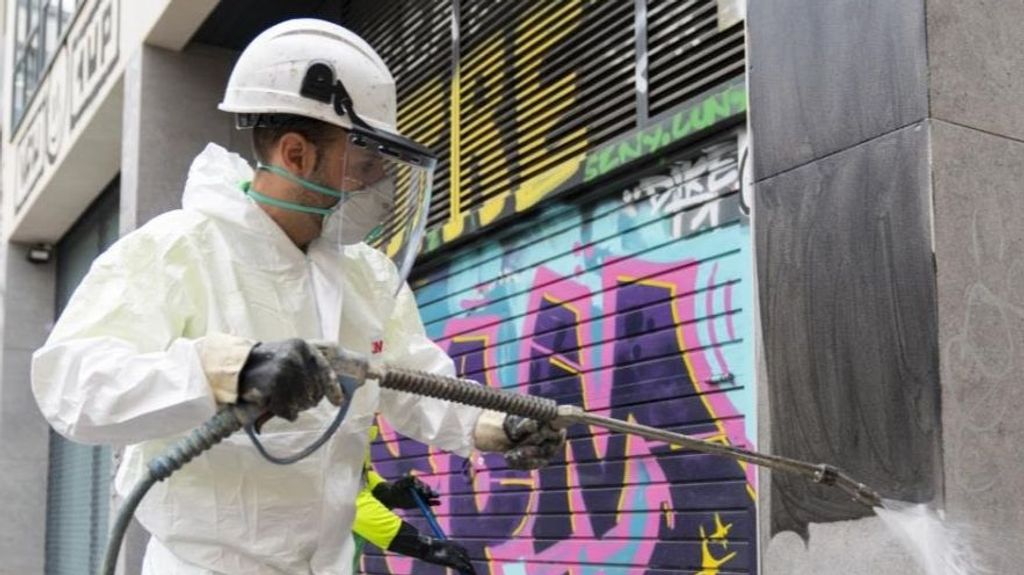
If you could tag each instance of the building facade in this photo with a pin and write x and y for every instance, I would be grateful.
(834, 282)
(598, 145)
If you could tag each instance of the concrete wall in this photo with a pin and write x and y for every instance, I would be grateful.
(975, 68)
(979, 240)
(844, 255)
(170, 114)
(28, 304)
(977, 147)
(832, 85)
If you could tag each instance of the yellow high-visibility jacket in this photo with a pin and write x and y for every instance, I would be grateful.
(374, 522)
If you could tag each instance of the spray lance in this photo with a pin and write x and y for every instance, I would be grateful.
(354, 369)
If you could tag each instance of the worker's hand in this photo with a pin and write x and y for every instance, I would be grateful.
(526, 443)
(409, 542)
(398, 494)
(287, 377)
(449, 554)
(533, 443)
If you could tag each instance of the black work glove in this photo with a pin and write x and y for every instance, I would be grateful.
(287, 377)
(444, 552)
(533, 443)
(398, 494)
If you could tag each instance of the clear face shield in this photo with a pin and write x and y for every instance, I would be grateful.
(385, 180)
(386, 183)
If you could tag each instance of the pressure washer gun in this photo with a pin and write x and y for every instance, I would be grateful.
(545, 410)
(354, 369)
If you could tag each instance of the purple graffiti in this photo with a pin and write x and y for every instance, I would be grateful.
(631, 348)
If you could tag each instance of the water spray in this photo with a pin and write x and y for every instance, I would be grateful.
(354, 369)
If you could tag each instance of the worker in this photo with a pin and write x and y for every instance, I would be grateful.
(376, 523)
(216, 303)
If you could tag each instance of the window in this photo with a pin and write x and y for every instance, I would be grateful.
(78, 490)
(39, 29)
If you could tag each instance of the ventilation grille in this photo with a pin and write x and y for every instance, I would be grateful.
(539, 82)
(687, 54)
(415, 40)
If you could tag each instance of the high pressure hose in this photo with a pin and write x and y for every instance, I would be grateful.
(228, 420)
(216, 429)
(354, 369)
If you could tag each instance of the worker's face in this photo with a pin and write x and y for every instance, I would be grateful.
(345, 166)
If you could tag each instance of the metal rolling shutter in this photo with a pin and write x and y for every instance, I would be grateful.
(687, 52)
(636, 303)
(539, 81)
(415, 40)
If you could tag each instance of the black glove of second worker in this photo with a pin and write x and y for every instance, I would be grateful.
(444, 552)
(398, 494)
(287, 377)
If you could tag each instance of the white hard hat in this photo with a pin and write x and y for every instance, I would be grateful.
(316, 69)
(319, 70)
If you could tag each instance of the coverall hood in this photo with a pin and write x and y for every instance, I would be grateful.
(214, 188)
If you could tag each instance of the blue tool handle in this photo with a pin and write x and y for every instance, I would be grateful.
(434, 525)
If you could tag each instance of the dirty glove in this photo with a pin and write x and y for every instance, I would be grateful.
(398, 494)
(526, 443)
(409, 542)
(287, 377)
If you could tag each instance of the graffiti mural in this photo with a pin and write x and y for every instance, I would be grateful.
(637, 306)
(524, 101)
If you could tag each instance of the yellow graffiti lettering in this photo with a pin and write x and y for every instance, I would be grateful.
(534, 189)
(491, 209)
(503, 107)
(554, 96)
(721, 530)
(481, 93)
(710, 564)
(668, 515)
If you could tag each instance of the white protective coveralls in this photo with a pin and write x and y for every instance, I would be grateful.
(123, 366)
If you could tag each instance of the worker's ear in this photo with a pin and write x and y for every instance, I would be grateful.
(296, 154)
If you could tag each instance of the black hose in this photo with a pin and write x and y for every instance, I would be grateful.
(224, 423)
(124, 517)
(348, 386)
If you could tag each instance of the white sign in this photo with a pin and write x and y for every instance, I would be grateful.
(56, 107)
(81, 70)
(94, 49)
(29, 157)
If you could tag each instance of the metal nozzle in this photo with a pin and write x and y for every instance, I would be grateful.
(828, 475)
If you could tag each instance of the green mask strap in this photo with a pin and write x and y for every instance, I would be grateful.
(374, 234)
(343, 196)
(256, 196)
